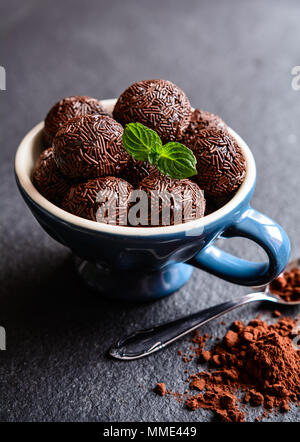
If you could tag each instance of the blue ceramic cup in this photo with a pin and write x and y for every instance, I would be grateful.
(150, 262)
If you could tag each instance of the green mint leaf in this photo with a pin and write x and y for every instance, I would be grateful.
(153, 157)
(172, 159)
(177, 161)
(141, 142)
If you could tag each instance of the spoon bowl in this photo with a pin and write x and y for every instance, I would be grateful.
(144, 342)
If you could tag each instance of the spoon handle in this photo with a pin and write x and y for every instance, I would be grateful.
(144, 342)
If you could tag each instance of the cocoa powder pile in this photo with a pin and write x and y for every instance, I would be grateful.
(255, 364)
(287, 286)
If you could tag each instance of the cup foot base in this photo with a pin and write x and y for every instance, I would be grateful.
(133, 286)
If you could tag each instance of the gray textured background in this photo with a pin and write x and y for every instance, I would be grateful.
(233, 58)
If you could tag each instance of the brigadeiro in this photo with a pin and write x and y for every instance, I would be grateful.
(201, 120)
(183, 198)
(66, 109)
(48, 179)
(90, 146)
(221, 165)
(158, 104)
(101, 199)
(136, 171)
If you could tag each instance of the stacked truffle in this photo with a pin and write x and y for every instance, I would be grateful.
(166, 197)
(86, 157)
(84, 164)
(67, 108)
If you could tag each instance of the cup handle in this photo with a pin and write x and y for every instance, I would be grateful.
(260, 229)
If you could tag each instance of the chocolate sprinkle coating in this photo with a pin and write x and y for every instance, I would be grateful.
(48, 179)
(90, 146)
(66, 109)
(82, 199)
(136, 171)
(186, 191)
(158, 104)
(221, 165)
(201, 120)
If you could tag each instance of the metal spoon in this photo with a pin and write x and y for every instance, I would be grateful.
(144, 342)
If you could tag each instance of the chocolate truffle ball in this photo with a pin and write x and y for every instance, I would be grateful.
(201, 120)
(90, 146)
(101, 199)
(221, 165)
(66, 109)
(182, 199)
(48, 179)
(136, 171)
(158, 104)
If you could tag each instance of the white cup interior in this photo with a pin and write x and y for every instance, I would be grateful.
(30, 149)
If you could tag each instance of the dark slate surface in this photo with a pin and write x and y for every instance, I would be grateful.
(232, 58)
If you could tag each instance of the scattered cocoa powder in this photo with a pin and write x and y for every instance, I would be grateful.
(206, 355)
(200, 341)
(197, 384)
(160, 389)
(287, 285)
(254, 364)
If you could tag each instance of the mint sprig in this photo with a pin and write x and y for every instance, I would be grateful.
(172, 159)
(140, 141)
